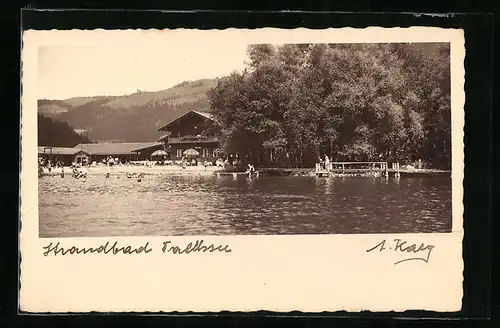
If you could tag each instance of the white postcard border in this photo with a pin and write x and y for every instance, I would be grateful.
(309, 273)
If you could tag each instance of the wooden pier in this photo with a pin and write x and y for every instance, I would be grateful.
(356, 168)
(236, 174)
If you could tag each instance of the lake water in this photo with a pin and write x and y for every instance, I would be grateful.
(208, 205)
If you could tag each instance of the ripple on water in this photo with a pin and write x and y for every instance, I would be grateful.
(207, 205)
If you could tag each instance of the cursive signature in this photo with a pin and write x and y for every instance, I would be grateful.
(403, 246)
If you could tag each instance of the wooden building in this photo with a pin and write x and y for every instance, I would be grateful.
(63, 155)
(129, 151)
(189, 131)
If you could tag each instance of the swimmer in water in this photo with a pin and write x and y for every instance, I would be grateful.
(250, 169)
(76, 173)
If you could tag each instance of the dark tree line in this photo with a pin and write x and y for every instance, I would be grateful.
(57, 134)
(359, 102)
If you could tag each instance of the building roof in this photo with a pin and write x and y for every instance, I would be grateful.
(112, 148)
(150, 146)
(202, 114)
(57, 150)
(205, 115)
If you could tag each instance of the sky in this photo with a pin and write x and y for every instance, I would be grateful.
(76, 71)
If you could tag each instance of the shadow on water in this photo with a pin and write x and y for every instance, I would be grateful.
(210, 205)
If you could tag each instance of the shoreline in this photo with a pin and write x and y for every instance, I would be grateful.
(154, 170)
(210, 171)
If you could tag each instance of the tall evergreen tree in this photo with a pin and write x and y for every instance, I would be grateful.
(57, 134)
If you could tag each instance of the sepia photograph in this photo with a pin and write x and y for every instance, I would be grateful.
(259, 139)
(255, 139)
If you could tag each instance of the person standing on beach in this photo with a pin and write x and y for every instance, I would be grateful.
(111, 162)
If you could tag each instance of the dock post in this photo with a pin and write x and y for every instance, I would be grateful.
(257, 174)
(386, 170)
(218, 175)
(397, 170)
(343, 168)
(235, 175)
(317, 168)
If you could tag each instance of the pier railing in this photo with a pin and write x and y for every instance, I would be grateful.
(350, 167)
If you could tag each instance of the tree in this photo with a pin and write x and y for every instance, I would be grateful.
(351, 101)
(57, 134)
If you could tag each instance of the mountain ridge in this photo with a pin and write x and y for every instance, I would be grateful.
(130, 118)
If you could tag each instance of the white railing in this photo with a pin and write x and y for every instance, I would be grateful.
(321, 167)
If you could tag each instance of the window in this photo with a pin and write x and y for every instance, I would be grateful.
(217, 153)
(82, 159)
(206, 152)
(179, 152)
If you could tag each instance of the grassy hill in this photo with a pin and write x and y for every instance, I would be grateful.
(52, 108)
(130, 118)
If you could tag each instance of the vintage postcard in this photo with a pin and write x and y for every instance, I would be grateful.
(242, 170)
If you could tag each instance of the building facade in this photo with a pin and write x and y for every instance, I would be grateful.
(65, 156)
(124, 151)
(87, 153)
(189, 132)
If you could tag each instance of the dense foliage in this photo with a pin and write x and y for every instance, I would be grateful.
(57, 134)
(363, 102)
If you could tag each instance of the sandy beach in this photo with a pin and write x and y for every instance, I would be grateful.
(201, 170)
(124, 169)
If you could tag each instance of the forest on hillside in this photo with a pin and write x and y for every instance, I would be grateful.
(55, 133)
(353, 102)
(131, 118)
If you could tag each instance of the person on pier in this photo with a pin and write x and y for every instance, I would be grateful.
(327, 162)
(320, 162)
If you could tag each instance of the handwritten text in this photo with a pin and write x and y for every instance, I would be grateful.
(193, 248)
(402, 246)
(56, 249)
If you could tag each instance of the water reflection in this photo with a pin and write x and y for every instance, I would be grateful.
(201, 205)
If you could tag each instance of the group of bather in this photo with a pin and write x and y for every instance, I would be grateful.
(48, 166)
(77, 174)
(184, 162)
(134, 175)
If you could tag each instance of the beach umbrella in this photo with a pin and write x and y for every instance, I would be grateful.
(159, 153)
(191, 152)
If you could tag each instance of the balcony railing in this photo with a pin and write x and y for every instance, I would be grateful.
(192, 139)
